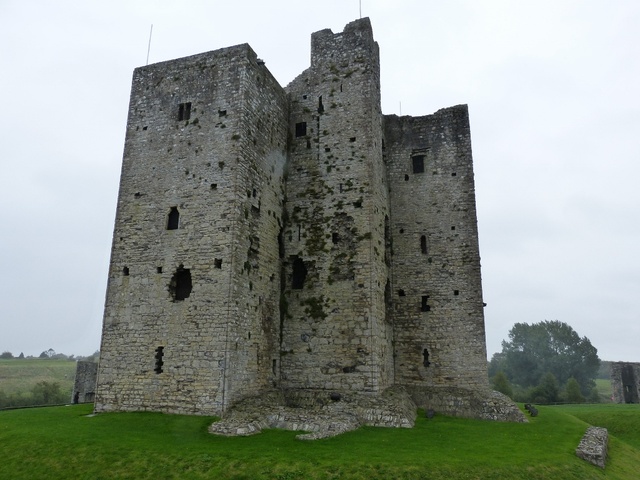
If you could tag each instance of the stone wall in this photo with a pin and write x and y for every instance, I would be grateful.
(335, 334)
(625, 382)
(436, 288)
(593, 446)
(84, 385)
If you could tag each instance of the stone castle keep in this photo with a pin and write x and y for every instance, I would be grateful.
(292, 242)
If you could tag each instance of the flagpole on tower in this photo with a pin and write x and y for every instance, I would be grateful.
(149, 47)
(360, 3)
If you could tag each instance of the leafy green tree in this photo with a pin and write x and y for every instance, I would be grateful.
(496, 364)
(548, 347)
(572, 391)
(594, 396)
(547, 391)
(501, 384)
(6, 355)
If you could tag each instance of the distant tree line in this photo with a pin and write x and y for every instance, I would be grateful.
(546, 362)
(52, 355)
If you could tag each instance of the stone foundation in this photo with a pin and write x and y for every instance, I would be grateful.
(593, 446)
(322, 413)
(460, 402)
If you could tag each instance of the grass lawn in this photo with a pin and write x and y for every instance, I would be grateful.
(20, 375)
(63, 442)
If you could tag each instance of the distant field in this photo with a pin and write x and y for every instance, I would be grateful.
(63, 442)
(604, 389)
(20, 375)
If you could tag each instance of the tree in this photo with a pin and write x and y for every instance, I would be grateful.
(501, 384)
(548, 347)
(48, 353)
(6, 355)
(547, 391)
(572, 391)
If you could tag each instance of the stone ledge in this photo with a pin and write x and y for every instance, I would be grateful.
(593, 446)
(481, 404)
(321, 413)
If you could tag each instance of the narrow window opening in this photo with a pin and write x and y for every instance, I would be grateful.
(180, 285)
(158, 269)
(184, 111)
(340, 87)
(274, 366)
(352, 139)
(335, 238)
(255, 192)
(217, 262)
(340, 188)
(222, 113)
(125, 271)
(418, 163)
(401, 293)
(158, 356)
(214, 186)
(425, 358)
(456, 292)
(453, 228)
(280, 244)
(423, 244)
(173, 219)
(387, 293)
(308, 143)
(425, 307)
(388, 247)
(327, 149)
(301, 129)
(320, 105)
(299, 274)
(406, 178)
(304, 97)
(453, 174)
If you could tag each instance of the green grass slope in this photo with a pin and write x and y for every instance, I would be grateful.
(20, 375)
(63, 442)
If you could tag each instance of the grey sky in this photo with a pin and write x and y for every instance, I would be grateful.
(554, 98)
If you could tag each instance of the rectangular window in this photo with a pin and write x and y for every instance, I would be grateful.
(301, 129)
(184, 111)
(418, 163)
(425, 306)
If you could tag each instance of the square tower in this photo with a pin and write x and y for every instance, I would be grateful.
(192, 313)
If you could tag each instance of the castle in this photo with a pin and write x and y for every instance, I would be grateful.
(292, 239)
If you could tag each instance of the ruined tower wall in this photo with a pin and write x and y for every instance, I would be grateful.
(436, 284)
(334, 331)
(194, 168)
(84, 384)
(625, 382)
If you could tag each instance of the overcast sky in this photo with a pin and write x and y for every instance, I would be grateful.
(553, 94)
